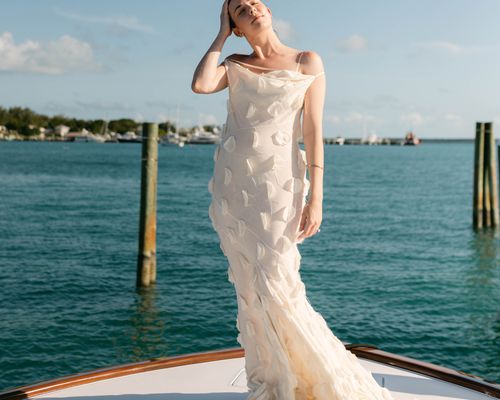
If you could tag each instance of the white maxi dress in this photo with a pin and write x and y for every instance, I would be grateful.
(258, 191)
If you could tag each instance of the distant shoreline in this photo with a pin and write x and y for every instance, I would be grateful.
(326, 140)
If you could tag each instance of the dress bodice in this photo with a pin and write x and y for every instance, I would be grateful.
(259, 99)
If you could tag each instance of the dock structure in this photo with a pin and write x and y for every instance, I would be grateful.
(485, 213)
(146, 260)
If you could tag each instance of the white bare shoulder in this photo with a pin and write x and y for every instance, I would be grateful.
(311, 63)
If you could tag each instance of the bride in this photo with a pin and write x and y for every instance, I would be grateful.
(260, 212)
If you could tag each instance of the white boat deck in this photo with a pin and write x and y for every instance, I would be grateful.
(226, 380)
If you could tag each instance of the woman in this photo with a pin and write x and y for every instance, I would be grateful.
(260, 212)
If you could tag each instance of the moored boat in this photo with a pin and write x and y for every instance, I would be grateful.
(411, 139)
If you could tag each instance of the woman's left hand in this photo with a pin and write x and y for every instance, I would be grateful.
(312, 214)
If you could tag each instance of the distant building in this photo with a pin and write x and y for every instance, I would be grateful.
(61, 130)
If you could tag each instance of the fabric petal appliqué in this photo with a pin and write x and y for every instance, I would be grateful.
(281, 138)
(249, 166)
(211, 214)
(261, 251)
(275, 108)
(230, 144)
(262, 85)
(242, 227)
(283, 213)
(278, 83)
(222, 248)
(269, 188)
(255, 139)
(231, 234)
(227, 176)
(293, 185)
(216, 153)
(258, 166)
(244, 194)
(264, 216)
(211, 185)
(230, 276)
(306, 186)
(251, 110)
(224, 206)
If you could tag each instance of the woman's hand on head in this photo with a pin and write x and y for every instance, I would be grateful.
(225, 28)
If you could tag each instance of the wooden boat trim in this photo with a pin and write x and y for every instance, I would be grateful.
(456, 377)
(360, 350)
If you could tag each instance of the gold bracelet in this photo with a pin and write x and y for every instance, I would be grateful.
(315, 165)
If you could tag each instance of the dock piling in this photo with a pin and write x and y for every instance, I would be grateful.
(146, 261)
(492, 173)
(485, 201)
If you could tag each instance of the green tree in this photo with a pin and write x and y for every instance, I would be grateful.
(122, 125)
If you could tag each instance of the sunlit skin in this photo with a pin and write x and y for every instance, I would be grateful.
(253, 20)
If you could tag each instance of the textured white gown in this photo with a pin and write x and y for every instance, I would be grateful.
(258, 191)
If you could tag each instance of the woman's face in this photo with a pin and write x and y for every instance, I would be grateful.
(249, 15)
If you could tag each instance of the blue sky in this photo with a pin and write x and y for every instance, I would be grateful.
(391, 65)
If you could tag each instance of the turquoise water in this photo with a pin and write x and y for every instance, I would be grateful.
(396, 264)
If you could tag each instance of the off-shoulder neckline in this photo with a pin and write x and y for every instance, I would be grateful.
(273, 71)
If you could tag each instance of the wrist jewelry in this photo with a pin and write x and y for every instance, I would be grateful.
(315, 165)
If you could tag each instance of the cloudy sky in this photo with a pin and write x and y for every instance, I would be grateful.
(392, 65)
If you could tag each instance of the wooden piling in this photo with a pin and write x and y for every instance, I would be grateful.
(146, 261)
(486, 182)
(492, 170)
(477, 213)
(485, 208)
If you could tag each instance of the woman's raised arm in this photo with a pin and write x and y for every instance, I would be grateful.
(208, 76)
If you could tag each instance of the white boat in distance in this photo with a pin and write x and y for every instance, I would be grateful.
(201, 136)
(129, 137)
(220, 375)
(340, 140)
(172, 139)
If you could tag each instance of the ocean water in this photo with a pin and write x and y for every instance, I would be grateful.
(396, 264)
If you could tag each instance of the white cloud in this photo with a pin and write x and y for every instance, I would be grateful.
(107, 109)
(119, 23)
(352, 44)
(450, 48)
(454, 119)
(414, 118)
(355, 117)
(104, 106)
(65, 54)
(334, 119)
(284, 29)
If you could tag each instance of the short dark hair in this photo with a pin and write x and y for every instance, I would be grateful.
(232, 25)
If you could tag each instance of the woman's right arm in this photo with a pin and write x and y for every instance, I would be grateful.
(208, 76)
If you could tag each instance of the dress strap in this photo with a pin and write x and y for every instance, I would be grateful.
(298, 62)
